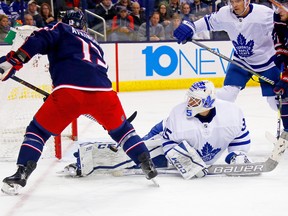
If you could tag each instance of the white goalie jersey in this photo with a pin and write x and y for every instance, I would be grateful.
(251, 35)
(227, 130)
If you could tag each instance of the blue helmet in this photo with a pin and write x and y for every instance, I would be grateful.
(75, 19)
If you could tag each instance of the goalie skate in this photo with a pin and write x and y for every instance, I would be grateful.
(71, 170)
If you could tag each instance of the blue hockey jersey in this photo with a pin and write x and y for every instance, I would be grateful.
(76, 59)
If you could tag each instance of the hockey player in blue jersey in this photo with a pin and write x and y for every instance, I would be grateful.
(81, 86)
(280, 36)
(249, 27)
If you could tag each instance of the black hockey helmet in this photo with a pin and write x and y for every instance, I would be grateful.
(75, 19)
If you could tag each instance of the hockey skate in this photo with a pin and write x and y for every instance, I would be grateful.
(72, 170)
(147, 166)
(14, 183)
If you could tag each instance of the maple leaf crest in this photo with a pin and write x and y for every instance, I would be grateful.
(242, 48)
(207, 152)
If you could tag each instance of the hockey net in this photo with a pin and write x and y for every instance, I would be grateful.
(18, 104)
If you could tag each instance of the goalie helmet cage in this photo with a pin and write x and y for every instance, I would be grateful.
(18, 104)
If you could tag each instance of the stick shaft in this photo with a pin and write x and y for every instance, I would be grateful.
(234, 62)
(279, 5)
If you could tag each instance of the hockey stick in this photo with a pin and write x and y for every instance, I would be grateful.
(279, 5)
(250, 169)
(279, 117)
(233, 62)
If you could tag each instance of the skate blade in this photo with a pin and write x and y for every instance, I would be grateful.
(12, 189)
(156, 184)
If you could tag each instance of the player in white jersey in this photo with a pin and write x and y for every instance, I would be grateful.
(249, 27)
(199, 131)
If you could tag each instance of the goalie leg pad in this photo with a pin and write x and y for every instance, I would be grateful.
(187, 161)
(84, 161)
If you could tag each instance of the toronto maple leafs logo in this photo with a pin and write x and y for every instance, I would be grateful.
(243, 49)
(207, 152)
(208, 102)
(198, 86)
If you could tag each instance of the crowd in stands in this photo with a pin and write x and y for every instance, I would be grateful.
(125, 20)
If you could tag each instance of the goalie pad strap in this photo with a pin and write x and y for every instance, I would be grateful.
(85, 159)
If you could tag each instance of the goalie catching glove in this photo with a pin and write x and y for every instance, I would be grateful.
(11, 63)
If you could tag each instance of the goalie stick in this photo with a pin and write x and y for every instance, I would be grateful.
(249, 169)
(233, 62)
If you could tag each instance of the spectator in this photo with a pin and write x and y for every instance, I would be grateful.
(198, 9)
(28, 20)
(141, 3)
(122, 26)
(73, 4)
(59, 5)
(124, 3)
(221, 4)
(107, 11)
(15, 10)
(175, 6)
(90, 4)
(185, 12)
(156, 30)
(4, 26)
(4, 8)
(157, 2)
(32, 10)
(138, 15)
(220, 35)
(165, 14)
(46, 13)
(175, 22)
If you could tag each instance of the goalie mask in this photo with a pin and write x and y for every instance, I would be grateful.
(201, 98)
(75, 19)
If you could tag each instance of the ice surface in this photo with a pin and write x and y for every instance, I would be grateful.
(49, 194)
